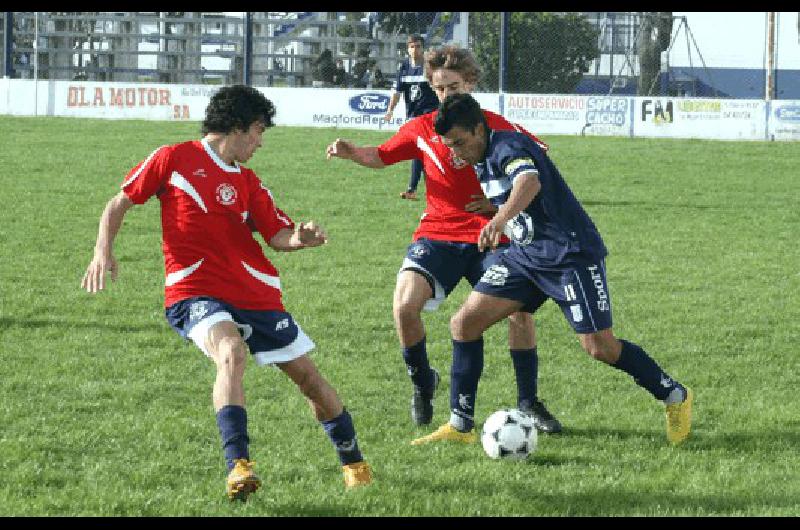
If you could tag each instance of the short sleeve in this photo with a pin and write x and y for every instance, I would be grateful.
(401, 146)
(149, 176)
(265, 217)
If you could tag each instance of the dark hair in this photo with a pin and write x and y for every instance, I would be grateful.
(416, 37)
(453, 58)
(459, 110)
(237, 107)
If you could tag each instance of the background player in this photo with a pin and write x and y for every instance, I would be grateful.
(444, 246)
(221, 290)
(556, 252)
(418, 97)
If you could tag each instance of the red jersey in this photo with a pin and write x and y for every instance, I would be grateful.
(208, 213)
(449, 181)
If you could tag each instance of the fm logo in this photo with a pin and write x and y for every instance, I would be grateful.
(661, 113)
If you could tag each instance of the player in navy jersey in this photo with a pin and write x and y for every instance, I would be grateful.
(221, 291)
(418, 97)
(556, 252)
(444, 248)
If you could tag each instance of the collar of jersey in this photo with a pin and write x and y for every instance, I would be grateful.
(218, 161)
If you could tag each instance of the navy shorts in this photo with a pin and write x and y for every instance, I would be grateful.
(272, 336)
(444, 263)
(579, 288)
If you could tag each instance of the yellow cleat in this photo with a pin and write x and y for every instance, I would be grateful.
(679, 418)
(358, 474)
(447, 433)
(242, 481)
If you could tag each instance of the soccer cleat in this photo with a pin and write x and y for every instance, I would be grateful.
(422, 402)
(409, 195)
(447, 433)
(542, 418)
(358, 474)
(241, 480)
(679, 418)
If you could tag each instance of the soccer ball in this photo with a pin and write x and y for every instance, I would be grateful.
(510, 434)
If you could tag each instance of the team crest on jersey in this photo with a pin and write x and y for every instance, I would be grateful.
(226, 194)
(456, 162)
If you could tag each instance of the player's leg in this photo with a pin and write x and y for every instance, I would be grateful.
(334, 418)
(525, 356)
(430, 271)
(586, 302)
(210, 325)
(479, 312)
(413, 182)
(524, 353)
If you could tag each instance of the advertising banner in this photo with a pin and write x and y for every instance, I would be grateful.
(717, 119)
(546, 114)
(784, 120)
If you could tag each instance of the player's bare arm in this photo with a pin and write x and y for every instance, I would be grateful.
(103, 260)
(392, 104)
(526, 186)
(481, 205)
(304, 235)
(365, 156)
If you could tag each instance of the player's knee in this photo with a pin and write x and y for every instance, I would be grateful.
(599, 351)
(231, 353)
(464, 327)
(405, 310)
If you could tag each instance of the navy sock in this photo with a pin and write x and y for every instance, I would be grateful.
(465, 373)
(343, 435)
(416, 173)
(416, 358)
(232, 423)
(635, 362)
(526, 368)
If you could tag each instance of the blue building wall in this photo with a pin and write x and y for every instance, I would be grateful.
(739, 83)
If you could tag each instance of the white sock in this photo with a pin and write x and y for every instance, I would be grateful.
(678, 395)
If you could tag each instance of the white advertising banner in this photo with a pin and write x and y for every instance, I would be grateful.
(546, 114)
(784, 120)
(714, 119)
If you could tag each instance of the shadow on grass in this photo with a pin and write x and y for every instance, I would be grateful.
(61, 325)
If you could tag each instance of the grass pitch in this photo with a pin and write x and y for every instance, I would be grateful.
(107, 412)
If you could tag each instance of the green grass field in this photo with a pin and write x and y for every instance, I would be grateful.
(106, 411)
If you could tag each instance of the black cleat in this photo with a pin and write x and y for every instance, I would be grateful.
(422, 402)
(542, 419)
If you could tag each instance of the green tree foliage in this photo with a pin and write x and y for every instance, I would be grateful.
(547, 52)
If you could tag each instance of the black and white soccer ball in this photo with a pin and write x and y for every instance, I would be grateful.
(509, 434)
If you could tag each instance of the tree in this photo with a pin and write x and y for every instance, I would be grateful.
(547, 52)
(655, 36)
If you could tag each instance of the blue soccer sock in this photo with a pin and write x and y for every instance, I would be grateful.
(526, 368)
(232, 423)
(343, 435)
(465, 373)
(416, 173)
(416, 358)
(634, 361)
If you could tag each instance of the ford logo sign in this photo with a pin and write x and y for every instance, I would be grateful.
(788, 113)
(370, 103)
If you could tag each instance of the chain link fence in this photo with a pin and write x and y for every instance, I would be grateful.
(609, 53)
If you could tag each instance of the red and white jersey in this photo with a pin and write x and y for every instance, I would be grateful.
(209, 211)
(449, 181)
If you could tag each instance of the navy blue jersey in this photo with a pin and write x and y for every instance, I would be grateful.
(418, 95)
(554, 224)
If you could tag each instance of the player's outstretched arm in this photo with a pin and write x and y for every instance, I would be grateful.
(304, 235)
(364, 156)
(103, 260)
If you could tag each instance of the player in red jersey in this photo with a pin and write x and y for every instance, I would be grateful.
(221, 291)
(444, 248)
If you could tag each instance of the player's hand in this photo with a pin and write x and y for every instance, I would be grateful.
(388, 115)
(310, 235)
(341, 149)
(94, 278)
(480, 205)
(490, 236)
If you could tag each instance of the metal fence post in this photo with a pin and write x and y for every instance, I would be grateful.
(248, 48)
(8, 33)
(504, 19)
